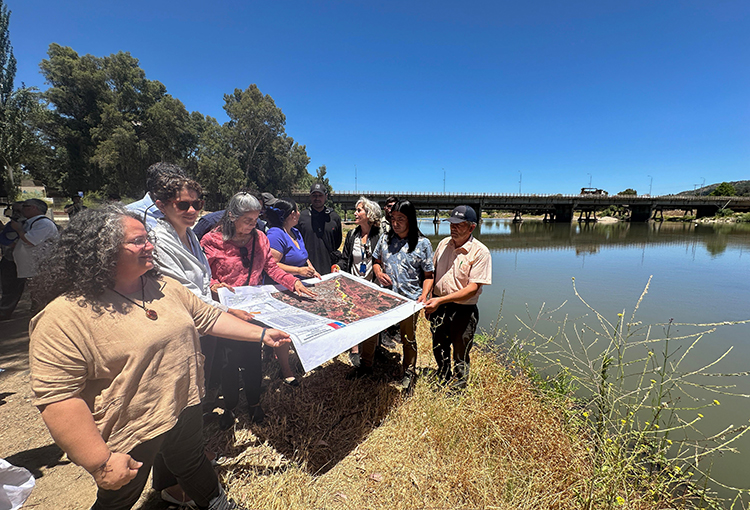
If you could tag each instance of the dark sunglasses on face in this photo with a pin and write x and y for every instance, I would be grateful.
(184, 205)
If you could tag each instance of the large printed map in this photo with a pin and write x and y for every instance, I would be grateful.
(343, 299)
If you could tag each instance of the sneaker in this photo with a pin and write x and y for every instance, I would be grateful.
(354, 359)
(407, 381)
(359, 372)
(291, 381)
(457, 384)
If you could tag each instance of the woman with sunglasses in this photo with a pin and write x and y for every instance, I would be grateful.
(239, 254)
(179, 255)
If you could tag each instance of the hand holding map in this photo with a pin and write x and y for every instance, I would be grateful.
(344, 311)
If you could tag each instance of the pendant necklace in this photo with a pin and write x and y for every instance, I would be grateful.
(150, 313)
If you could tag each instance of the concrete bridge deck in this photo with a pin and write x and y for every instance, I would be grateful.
(557, 207)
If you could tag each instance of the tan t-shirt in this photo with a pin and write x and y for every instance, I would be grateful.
(135, 374)
(455, 268)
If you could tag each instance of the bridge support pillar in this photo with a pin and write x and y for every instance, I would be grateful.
(705, 211)
(640, 213)
(563, 214)
(477, 209)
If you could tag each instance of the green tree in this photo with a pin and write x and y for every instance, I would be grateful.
(108, 122)
(723, 190)
(8, 62)
(20, 146)
(269, 158)
(629, 191)
(217, 168)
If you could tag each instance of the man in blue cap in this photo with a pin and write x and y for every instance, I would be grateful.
(462, 267)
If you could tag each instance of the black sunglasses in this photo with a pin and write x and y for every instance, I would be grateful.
(184, 205)
(243, 255)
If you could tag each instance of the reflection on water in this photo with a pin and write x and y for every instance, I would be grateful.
(700, 275)
(591, 237)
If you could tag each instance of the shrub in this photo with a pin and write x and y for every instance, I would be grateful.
(632, 401)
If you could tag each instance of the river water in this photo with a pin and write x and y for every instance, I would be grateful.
(699, 275)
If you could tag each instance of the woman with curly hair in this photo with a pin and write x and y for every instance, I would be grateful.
(179, 255)
(356, 258)
(116, 367)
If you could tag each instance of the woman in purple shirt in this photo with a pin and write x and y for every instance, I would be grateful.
(287, 246)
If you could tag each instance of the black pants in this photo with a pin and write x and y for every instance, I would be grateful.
(236, 355)
(182, 451)
(12, 287)
(453, 325)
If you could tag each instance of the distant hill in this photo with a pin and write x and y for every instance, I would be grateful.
(742, 188)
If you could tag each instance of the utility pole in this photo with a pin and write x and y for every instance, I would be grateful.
(443, 180)
(703, 183)
(650, 185)
(589, 179)
(520, 178)
(355, 178)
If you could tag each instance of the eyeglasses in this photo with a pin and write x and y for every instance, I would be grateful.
(139, 242)
(184, 205)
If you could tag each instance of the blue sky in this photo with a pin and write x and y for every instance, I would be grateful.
(556, 94)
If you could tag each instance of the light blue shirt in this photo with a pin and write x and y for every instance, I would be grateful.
(147, 211)
(405, 269)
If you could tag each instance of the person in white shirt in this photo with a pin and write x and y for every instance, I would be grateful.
(32, 243)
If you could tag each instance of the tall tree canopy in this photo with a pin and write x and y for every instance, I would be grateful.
(269, 158)
(108, 123)
(19, 143)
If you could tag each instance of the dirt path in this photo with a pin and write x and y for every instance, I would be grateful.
(24, 439)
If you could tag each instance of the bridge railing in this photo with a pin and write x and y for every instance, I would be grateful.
(415, 194)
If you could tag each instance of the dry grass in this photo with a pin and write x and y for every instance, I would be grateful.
(334, 443)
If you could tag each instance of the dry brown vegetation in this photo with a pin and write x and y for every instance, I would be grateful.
(334, 443)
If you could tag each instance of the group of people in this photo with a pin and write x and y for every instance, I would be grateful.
(133, 333)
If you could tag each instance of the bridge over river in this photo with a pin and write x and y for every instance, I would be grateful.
(560, 208)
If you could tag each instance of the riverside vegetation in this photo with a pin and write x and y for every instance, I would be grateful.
(633, 391)
(612, 424)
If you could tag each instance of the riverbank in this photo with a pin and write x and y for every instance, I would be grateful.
(334, 443)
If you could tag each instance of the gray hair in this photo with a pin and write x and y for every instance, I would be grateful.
(83, 262)
(238, 205)
(372, 209)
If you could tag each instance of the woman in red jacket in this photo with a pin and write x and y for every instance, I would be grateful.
(239, 254)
